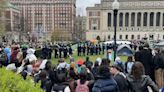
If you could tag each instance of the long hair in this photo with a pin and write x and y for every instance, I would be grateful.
(138, 70)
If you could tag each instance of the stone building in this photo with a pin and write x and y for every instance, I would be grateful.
(10, 17)
(136, 20)
(42, 17)
(80, 28)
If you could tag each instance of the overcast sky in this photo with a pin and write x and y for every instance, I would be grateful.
(82, 4)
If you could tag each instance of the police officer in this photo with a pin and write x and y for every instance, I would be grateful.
(70, 50)
(56, 52)
(83, 49)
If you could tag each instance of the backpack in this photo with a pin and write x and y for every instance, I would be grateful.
(3, 58)
(60, 87)
(61, 74)
(82, 87)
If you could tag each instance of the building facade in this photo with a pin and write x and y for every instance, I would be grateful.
(81, 28)
(10, 17)
(136, 20)
(42, 17)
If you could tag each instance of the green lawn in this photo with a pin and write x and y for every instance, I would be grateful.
(92, 58)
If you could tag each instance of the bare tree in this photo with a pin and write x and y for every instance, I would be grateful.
(2, 18)
(57, 35)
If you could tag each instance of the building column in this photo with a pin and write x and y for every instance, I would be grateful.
(142, 19)
(130, 16)
(52, 18)
(123, 25)
(155, 18)
(112, 21)
(161, 19)
(148, 19)
(136, 16)
(11, 20)
(33, 19)
(44, 18)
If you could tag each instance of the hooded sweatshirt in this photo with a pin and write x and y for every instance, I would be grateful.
(8, 53)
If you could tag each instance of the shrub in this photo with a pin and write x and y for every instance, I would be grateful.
(11, 82)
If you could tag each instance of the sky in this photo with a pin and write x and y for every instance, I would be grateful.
(82, 4)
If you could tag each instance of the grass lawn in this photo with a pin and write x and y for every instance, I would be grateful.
(92, 58)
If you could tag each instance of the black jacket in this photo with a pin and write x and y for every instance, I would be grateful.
(105, 84)
(141, 85)
(121, 82)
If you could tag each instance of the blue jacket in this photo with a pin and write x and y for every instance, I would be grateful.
(105, 84)
(7, 51)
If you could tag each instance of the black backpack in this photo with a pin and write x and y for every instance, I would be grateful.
(3, 59)
(60, 87)
(61, 74)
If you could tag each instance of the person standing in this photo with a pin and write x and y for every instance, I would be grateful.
(60, 52)
(159, 69)
(83, 49)
(138, 54)
(70, 50)
(138, 81)
(103, 48)
(105, 81)
(56, 52)
(146, 58)
(120, 78)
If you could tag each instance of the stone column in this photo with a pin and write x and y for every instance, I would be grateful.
(112, 17)
(142, 19)
(11, 20)
(33, 19)
(52, 18)
(155, 18)
(44, 18)
(161, 19)
(130, 15)
(135, 22)
(123, 25)
(148, 19)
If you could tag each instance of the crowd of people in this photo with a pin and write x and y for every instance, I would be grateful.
(138, 74)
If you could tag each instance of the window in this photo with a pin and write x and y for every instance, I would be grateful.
(121, 20)
(133, 19)
(94, 28)
(145, 19)
(120, 37)
(126, 37)
(109, 19)
(132, 37)
(108, 37)
(151, 19)
(139, 19)
(127, 19)
(94, 21)
(158, 19)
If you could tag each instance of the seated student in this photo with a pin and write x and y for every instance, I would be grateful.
(138, 81)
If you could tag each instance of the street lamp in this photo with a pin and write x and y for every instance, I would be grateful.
(115, 7)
